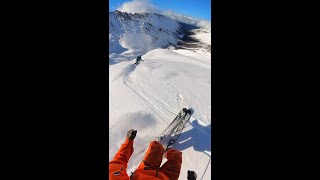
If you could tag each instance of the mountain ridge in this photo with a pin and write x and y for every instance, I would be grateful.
(141, 31)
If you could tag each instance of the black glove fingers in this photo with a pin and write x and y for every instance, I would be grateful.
(132, 134)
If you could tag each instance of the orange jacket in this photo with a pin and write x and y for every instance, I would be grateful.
(118, 166)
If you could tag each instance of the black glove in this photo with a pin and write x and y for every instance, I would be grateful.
(131, 134)
(192, 175)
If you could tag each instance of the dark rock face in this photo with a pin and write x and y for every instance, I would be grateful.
(188, 42)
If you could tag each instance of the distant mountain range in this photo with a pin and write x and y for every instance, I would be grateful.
(142, 32)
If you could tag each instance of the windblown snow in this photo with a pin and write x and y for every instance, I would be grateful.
(148, 96)
(140, 32)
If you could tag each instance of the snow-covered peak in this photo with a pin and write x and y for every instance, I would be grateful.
(141, 32)
(157, 20)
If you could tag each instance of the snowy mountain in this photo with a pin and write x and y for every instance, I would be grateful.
(141, 32)
(175, 73)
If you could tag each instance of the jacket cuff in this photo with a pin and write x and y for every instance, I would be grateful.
(128, 141)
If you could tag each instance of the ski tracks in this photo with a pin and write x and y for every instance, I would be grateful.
(158, 106)
(152, 106)
(161, 109)
(161, 103)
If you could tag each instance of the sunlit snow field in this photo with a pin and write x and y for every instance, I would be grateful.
(147, 97)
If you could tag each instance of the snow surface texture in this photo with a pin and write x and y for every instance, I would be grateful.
(148, 96)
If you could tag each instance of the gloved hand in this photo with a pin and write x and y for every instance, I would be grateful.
(131, 134)
(192, 175)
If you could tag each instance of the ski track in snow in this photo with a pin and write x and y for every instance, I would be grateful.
(151, 105)
(147, 97)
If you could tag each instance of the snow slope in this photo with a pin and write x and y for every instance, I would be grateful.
(147, 97)
(140, 33)
(203, 36)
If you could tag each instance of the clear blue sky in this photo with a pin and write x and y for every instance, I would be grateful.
(195, 8)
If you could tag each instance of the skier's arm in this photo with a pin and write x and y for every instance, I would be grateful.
(124, 153)
(118, 166)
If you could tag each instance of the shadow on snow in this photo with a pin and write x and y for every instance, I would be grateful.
(199, 137)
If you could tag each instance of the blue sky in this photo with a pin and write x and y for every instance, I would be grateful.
(200, 9)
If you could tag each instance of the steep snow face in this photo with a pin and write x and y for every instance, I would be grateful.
(147, 97)
(140, 32)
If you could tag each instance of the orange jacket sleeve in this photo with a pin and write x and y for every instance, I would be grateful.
(118, 166)
(124, 153)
